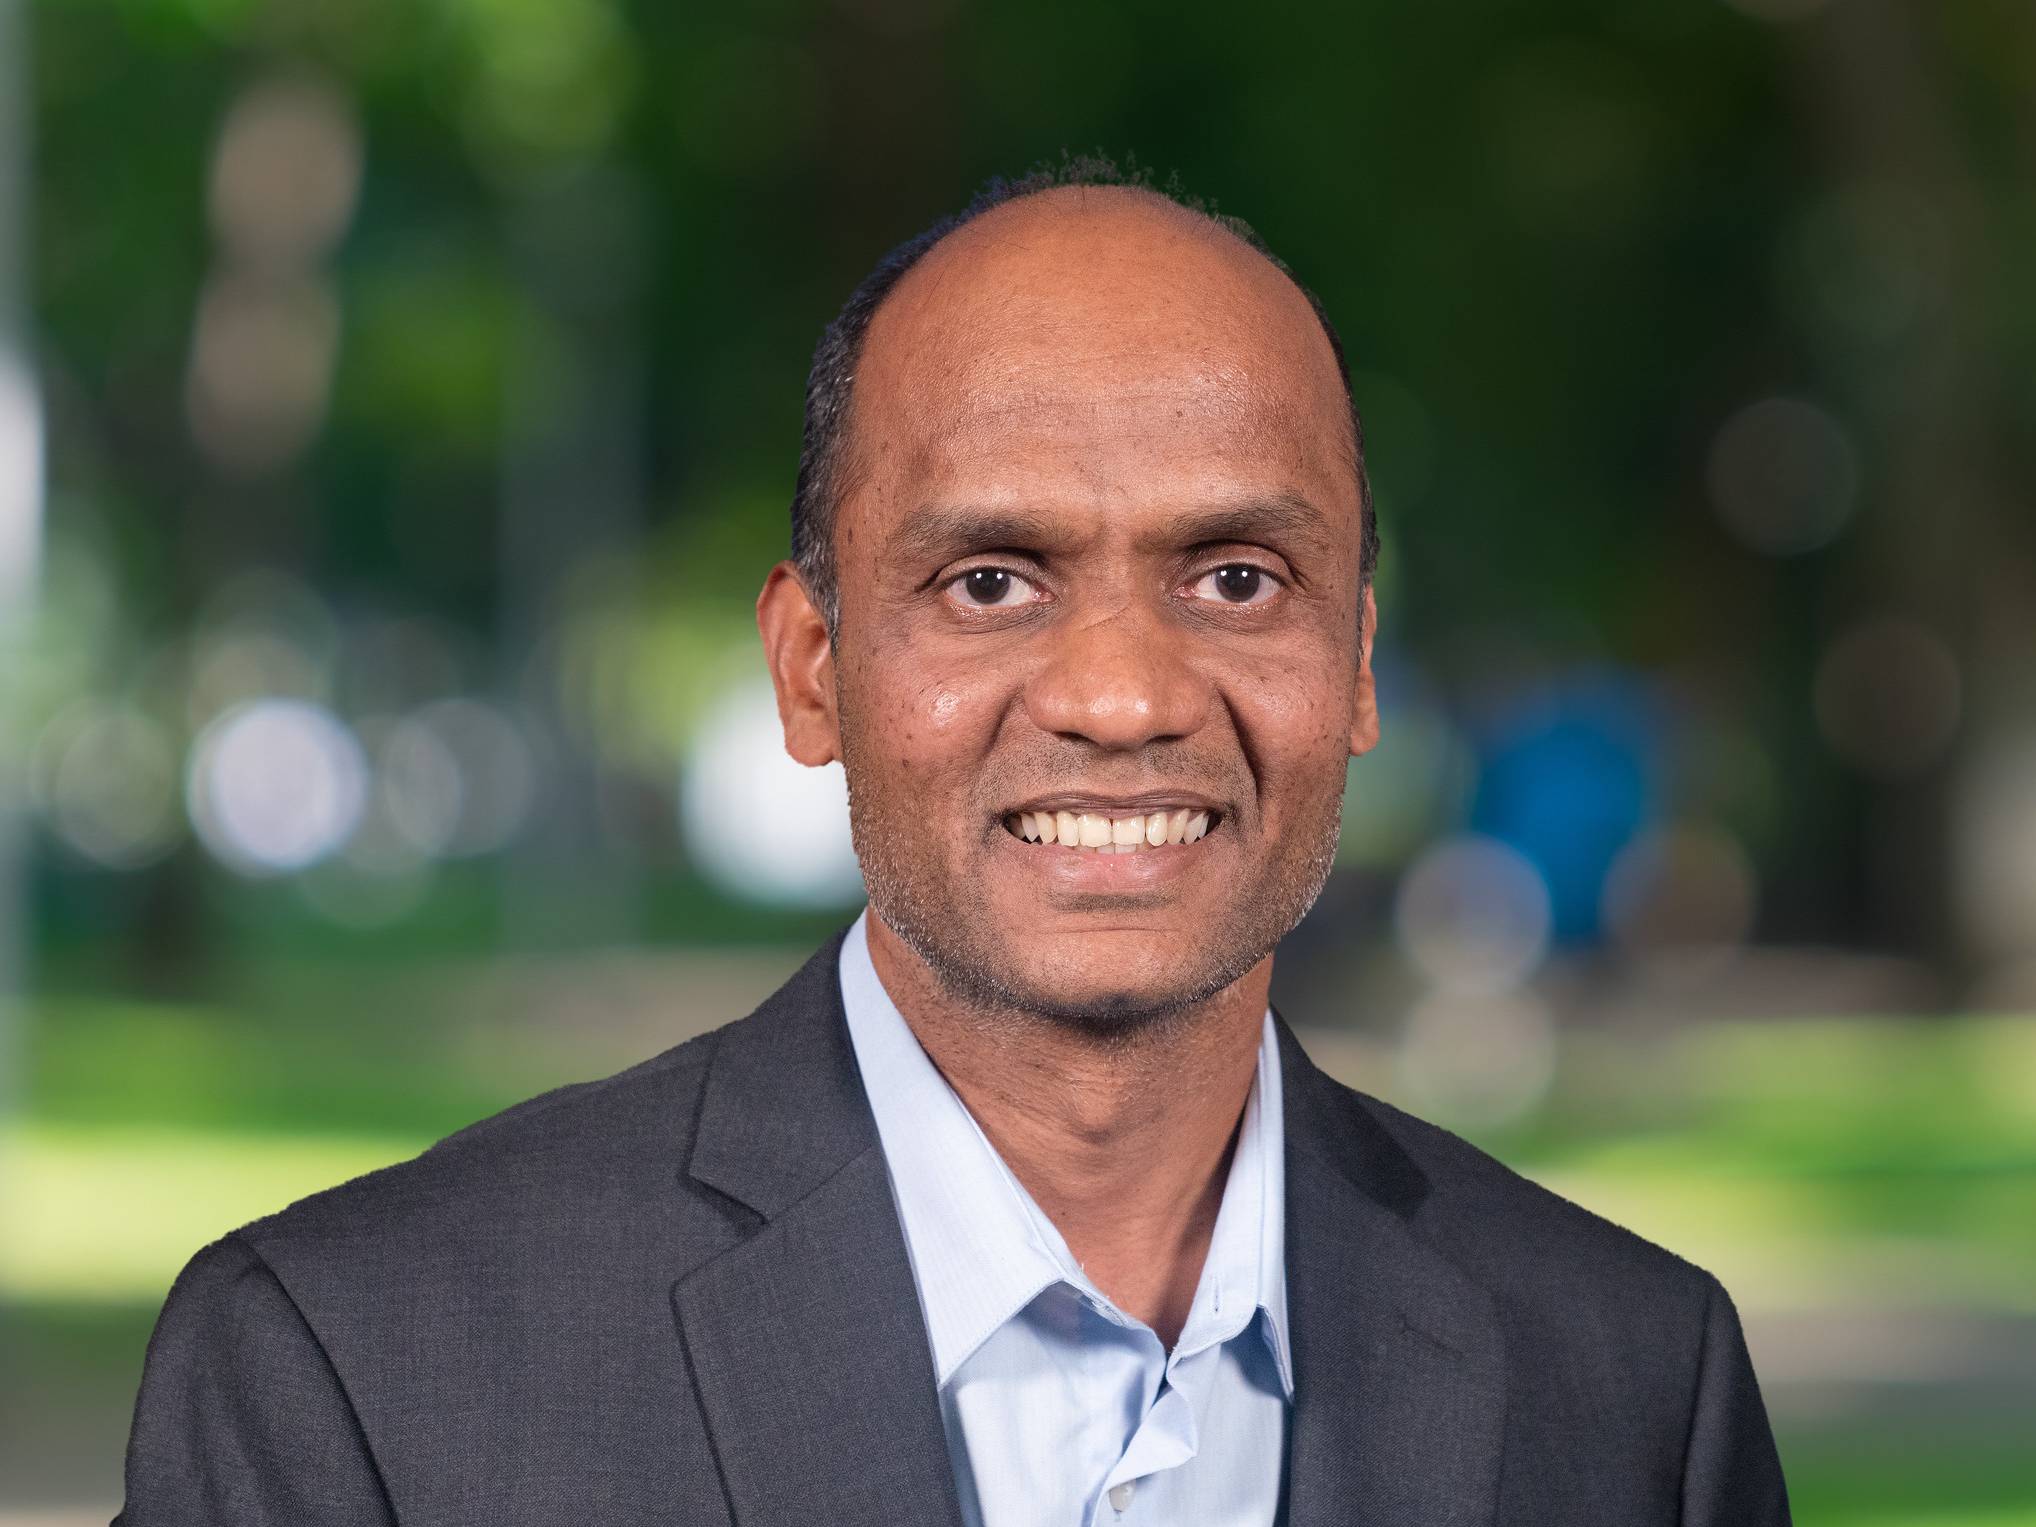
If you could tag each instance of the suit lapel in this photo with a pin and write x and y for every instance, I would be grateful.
(1399, 1364)
(805, 1339)
(808, 1347)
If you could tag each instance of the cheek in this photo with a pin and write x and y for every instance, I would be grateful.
(954, 716)
(1295, 715)
(924, 728)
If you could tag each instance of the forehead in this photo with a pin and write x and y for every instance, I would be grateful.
(1103, 337)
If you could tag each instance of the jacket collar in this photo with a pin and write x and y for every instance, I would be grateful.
(805, 1340)
(1399, 1359)
(783, 1108)
(982, 1248)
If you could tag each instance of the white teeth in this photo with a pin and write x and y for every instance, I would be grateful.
(1110, 835)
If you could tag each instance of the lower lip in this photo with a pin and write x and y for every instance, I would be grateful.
(1085, 869)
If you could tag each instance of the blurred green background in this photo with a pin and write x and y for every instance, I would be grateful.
(399, 403)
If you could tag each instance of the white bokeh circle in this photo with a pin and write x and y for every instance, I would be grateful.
(275, 786)
(758, 824)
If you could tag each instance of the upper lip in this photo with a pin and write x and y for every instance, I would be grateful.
(1093, 803)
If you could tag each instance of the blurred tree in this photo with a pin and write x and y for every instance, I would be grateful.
(1571, 245)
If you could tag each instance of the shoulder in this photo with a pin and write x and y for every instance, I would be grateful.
(1523, 1241)
(584, 1163)
(588, 1180)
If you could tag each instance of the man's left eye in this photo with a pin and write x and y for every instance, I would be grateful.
(993, 588)
(1235, 583)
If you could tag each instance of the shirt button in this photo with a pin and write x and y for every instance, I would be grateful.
(1120, 1495)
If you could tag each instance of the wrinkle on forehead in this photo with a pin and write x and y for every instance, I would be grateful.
(1039, 403)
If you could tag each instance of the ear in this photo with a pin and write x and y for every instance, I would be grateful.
(1364, 710)
(801, 660)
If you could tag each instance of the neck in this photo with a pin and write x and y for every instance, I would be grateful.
(1123, 1140)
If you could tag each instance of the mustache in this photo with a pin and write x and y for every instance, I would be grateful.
(1039, 769)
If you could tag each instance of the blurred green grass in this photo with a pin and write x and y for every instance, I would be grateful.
(1808, 1160)
(1815, 1164)
(117, 1064)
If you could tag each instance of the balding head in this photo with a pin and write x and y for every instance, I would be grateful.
(1037, 273)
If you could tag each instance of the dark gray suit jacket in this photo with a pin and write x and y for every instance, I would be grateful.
(681, 1295)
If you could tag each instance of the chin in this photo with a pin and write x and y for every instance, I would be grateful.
(1025, 960)
(1110, 1000)
(1105, 1014)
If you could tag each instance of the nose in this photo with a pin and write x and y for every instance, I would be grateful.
(1119, 680)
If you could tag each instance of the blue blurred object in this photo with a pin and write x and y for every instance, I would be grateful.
(1567, 775)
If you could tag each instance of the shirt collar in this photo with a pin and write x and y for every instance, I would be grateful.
(982, 1250)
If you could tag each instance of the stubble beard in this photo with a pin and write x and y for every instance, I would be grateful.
(927, 909)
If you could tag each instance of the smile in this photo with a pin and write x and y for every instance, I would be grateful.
(1112, 835)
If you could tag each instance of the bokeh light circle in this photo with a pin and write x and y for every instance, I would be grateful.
(107, 781)
(1783, 476)
(496, 776)
(1994, 836)
(419, 786)
(287, 172)
(758, 824)
(1473, 915)
(1680, 890)
(1477, 1059)
(1888, 697)
(275, 786)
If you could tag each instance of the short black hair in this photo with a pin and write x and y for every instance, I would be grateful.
(830, 385)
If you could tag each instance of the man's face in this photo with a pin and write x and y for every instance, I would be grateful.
(1098, 563)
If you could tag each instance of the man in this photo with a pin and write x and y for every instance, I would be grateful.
(1017, 1205)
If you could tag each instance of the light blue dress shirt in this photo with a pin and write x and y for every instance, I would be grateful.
(1060, 1409)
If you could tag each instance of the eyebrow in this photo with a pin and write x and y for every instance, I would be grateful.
(1268, 519)
(942, 532)
(939, 533)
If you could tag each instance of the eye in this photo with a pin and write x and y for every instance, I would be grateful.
(993, 588)
(1235, 583)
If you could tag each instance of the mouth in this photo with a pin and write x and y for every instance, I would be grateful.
(1162, 826)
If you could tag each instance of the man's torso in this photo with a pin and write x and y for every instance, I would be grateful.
(682, 1295)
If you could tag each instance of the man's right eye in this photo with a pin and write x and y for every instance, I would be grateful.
(989, 588)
